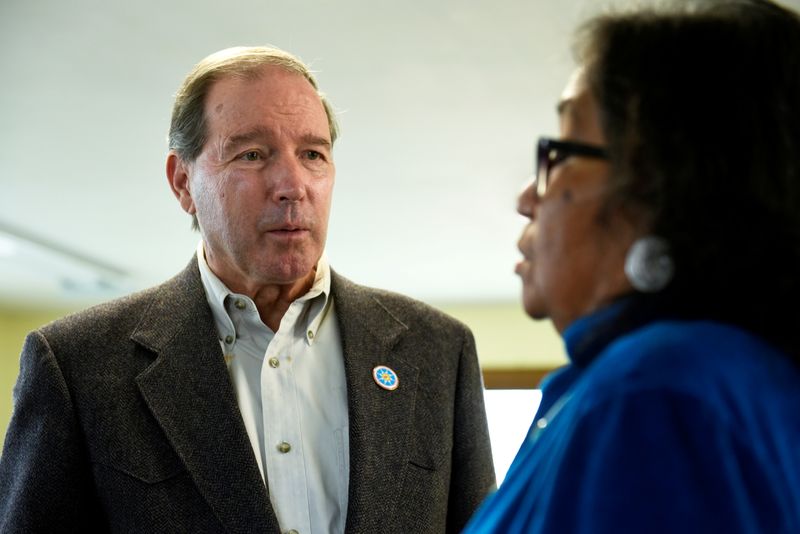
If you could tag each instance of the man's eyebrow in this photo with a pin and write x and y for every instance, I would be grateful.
(246, 137)
(313, 139)
(261, 133)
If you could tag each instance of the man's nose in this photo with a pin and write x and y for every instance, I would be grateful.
(288, 180)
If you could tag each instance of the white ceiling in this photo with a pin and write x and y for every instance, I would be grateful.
(439, 104)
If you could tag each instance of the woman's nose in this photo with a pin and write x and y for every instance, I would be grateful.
(527, 199)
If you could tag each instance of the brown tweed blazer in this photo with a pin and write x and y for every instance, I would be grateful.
(125, 420)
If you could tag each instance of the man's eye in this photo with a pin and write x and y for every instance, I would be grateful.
(252, 155)
(313, 155)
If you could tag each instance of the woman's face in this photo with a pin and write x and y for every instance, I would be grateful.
(572, 262)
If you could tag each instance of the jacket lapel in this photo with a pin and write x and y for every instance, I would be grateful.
(189, 392)
(379, 419)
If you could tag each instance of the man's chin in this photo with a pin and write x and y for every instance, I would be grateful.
(288, 272)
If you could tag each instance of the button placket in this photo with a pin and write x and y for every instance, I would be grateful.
(285, 462)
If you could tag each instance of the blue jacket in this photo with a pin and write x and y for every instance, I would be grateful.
(675, 426)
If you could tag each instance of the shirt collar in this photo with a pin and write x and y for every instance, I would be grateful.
(587, 336)
(217, 292)
(590, 334)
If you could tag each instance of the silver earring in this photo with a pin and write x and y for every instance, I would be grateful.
(648, 265)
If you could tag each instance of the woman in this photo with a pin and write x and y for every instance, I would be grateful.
(664, 244)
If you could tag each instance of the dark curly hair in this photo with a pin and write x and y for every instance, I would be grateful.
(700, 106)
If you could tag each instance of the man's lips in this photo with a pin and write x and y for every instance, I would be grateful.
(288, 232)
(284, 226)
(287, 226)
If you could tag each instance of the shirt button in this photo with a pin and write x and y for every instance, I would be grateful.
(293, 531)
(310, 334)
(274, 362)
(541, 423)
(240, 304)
(228, 339)
(284, 447)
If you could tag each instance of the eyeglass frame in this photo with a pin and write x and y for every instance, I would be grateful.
(546, 161)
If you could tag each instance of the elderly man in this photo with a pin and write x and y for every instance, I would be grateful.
(258, 390)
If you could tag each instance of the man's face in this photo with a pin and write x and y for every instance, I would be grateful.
(261, 187)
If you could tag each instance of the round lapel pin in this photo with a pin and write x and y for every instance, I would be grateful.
(385, 377)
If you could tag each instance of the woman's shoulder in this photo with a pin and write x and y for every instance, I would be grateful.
(714, 363)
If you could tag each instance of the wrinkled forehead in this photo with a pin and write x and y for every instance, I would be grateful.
(269, 86)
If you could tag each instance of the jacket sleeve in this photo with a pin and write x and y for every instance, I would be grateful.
(473, 476)
(45, 479)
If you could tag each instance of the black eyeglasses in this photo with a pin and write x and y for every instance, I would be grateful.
(551, 152)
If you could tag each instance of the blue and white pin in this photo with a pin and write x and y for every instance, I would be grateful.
(385, 377)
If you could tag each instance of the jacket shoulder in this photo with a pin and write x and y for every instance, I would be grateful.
(117, 318)
(407, 310)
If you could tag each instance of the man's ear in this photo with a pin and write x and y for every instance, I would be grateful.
(178, 178)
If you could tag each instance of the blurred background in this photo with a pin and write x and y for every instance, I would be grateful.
(439, 103)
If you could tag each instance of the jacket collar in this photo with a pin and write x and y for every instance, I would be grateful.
(188, 391)
(380, 420)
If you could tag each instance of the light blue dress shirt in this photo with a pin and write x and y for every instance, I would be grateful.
(292, 393)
